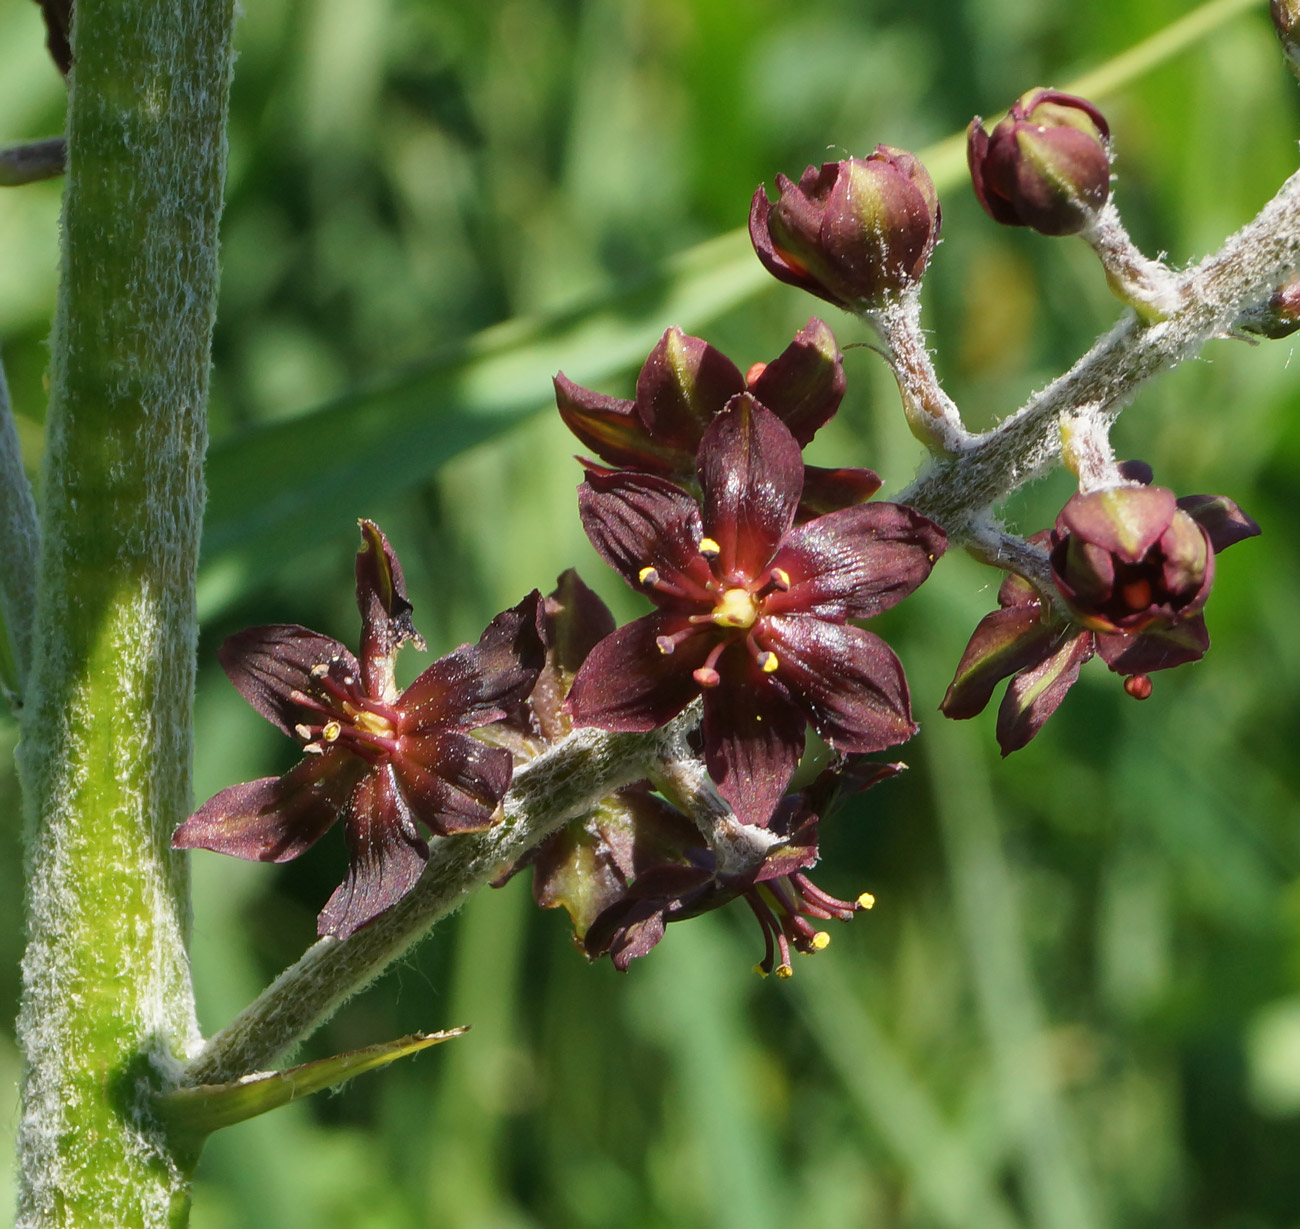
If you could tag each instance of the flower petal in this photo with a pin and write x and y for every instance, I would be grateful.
(1035, 693)
(805, 384)
(271, 667)
(1220, 517)
(637, 521)
(613, 430)
(854, 563)
(627, 683)
(385, 612)
(476, 684)
(753, 738)
(386, 856)
(451, 782)
(276, 818)
(751, 474)
(847, 681)
(1157, 648)
(683, 384)
(829, 490)
(1004, 642)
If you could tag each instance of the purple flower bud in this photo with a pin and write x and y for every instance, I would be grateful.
(1128, 557)
(1045, 166)
(853, 232)
(1278, 316)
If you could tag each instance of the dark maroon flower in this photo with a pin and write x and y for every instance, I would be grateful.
(752, 612)
(852, 232)
(677, 877)
(1045, 166)
(379, 759)
(58, 28)
(1134, 567)
(686, 382)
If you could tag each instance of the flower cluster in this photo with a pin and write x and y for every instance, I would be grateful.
(384, 762)
(1132, 566)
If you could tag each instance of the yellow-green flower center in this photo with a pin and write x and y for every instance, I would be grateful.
(736, 608)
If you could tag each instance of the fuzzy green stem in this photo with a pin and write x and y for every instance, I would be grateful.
(107, 1013)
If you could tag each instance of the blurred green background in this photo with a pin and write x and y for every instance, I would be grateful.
(1077, 1002)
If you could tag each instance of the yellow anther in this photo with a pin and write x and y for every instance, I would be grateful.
(782, 577)
(866, 901)
(762, 972)
(784, 971)
(736, 608)
(319, 670)
(648, 576)
(709, 548)
(331, 731)
(821, 941)
(768, 663)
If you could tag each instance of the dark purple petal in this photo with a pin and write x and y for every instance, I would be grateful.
(1125, 521)
(1005, 642)
(476, 684)
(1156, 648)
(386, 856)
(804, 386)
(613, 430)
(637, 521)
(626, 683)
(847, 681)
(753, 738)
(271, 667)
(1035, 693)
(277, 818)
(451, 782)
(385, 612)
(829, 490)
(751, 474)
(683, 384)
(780, 264)
(856, 562)
(1225, 523)
(626, 930)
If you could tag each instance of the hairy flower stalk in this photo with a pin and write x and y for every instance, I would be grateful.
(107, 1011)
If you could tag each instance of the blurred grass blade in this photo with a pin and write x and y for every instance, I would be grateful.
(950, 1179)
(208, 1107)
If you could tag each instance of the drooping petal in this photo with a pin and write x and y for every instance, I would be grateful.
(1035, 693)
(751, 475)
(385, 612)
(450, 781)
(271, 667)
(753, 738)
(636, 522)
(682, 385)
(1004, 642)
(613, 430)
(857, 562)
(829, 490)
(475, 684)
(386, 856)
(805, 384)
(1156, 648)
(277, 818)
(846, 680)
(1220, 518)
(628, 683)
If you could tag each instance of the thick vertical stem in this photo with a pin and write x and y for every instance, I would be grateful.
(105, 759)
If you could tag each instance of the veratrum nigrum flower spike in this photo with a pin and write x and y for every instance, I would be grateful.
(1045, 166)
(853, 232)
(382, 762)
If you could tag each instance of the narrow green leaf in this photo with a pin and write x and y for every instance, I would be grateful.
(205, 1108)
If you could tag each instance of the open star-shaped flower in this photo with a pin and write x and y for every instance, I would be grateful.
(752, 611)
(378, 759)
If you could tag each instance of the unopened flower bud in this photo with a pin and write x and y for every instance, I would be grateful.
(853, 232)
(1129, 557)
(1045, 166)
